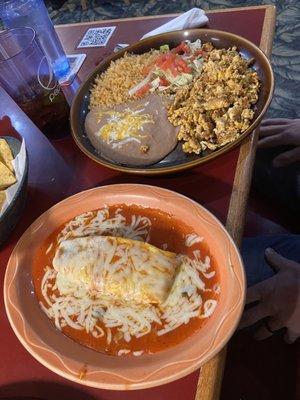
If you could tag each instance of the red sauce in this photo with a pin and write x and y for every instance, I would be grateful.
(164, 229)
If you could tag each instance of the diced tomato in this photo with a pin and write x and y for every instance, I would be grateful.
(161, 59)
(173, 63)
(172, 68)
(143, 90)
(182, 48)
(166, 57)
(169, 65)
(163, 82)
(198, 53)
(146, 70)
(182, 65)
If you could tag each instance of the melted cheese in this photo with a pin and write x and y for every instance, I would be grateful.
(123, 125)
(192, 239)
(79, 309)
(87, 225)
(125, 284)
(125, 270)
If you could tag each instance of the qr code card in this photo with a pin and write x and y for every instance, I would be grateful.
(75, 61)
(96, 37)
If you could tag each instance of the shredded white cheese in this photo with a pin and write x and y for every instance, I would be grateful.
(192, 239)
(88, 224)
(209, 275)
(81, 304)
(123, 352)
(49, 248)
(138, 353)
(209, 308)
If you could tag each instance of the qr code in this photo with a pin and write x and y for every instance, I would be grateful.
(96, 37)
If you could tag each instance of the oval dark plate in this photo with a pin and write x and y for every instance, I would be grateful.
(177, 160)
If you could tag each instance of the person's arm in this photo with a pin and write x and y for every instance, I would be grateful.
(277, 298)
(280, 132)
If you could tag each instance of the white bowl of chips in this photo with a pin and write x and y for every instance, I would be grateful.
(13, 183)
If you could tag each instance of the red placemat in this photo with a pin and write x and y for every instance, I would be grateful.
(247, 23)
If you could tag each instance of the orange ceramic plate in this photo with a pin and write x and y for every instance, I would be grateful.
(82, 365)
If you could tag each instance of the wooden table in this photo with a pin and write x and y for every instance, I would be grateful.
(58, 169)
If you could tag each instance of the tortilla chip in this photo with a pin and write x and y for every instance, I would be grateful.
(6, 156)
(7, 178)
(2, 198)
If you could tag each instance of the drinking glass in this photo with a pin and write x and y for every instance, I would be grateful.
(28, 78)
(33, 13)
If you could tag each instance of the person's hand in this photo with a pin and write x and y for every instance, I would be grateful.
(281, 132)
(278, 298)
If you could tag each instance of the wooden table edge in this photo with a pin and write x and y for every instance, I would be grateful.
(107, 21)
(210, 379)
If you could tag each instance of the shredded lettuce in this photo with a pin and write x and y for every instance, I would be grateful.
(198, 63)
(158, 72)
(183, 79)
(164, 48)
(155, 84)
(168, 76)
(194, 46)
(137, 87)
(162, 88)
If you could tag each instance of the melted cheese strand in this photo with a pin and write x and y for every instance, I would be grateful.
(87, 225)
(138, 353)
(209, 308)
(192, 239)
(123, 352)
(49, 248)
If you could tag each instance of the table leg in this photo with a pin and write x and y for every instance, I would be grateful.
(210, 380)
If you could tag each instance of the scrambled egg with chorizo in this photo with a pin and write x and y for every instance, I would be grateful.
(215, 108)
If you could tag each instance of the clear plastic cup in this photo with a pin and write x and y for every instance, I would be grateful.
(28, 78)
(34, 14)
